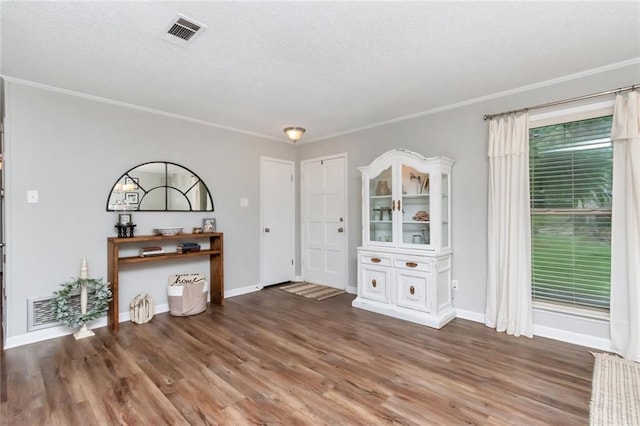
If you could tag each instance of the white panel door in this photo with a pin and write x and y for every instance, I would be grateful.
(277, 217)
(324, 240)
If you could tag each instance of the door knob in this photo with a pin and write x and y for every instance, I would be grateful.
(267, 230)
(341, 229)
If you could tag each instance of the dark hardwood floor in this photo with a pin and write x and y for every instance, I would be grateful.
(275, 358)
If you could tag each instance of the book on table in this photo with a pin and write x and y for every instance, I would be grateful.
(150, 251)
(188, 247)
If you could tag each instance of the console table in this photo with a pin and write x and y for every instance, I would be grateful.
(114, 261)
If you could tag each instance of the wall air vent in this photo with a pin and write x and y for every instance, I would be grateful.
(182, 31)
(40, 315)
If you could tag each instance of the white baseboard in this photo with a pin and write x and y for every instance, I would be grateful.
(352, 289)
(541, 331)
(242, 290)
(549, 332)
(297, 279)
(48, 333)
(470, 315)
(61, 330)
(571, 337)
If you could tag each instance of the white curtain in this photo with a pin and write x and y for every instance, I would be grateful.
(509, 227)
(625, 228)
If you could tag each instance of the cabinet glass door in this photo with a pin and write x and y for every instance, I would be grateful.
(380, 207)
(445, 210)
(415, 223)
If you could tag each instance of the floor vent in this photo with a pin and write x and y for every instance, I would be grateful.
(182, 31)
(39, 311)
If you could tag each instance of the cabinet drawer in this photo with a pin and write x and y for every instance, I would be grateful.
(414, 264)
(374, 259)
(374, 283)
(412, 290)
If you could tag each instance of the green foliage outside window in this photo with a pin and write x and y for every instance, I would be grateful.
(571, 170)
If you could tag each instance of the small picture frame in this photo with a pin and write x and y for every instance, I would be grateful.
(124, 219)
(208, 224)
(131, 197)
(131, 183)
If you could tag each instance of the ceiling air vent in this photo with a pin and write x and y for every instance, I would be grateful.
(182, 31)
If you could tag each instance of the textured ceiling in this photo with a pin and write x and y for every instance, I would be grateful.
(331, 67)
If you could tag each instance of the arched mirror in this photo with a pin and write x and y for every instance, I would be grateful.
(160, 186)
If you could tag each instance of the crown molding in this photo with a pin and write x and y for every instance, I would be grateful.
(485, 98)
(134, 106)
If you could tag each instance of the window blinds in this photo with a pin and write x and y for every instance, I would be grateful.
(570, 182)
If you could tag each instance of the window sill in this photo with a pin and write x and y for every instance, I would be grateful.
(571, 311)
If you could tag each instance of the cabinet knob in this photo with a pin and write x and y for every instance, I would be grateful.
(341, 229)
(267, 230)
(412, 290)
(375, 260)
(411, 265)
(373, 284)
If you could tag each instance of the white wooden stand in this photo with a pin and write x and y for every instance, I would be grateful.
(84, 275)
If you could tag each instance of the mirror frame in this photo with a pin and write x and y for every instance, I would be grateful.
(128, 174)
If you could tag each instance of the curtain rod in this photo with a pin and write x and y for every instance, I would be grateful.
(565, 101)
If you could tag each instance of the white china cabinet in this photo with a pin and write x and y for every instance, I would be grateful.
(404, 263)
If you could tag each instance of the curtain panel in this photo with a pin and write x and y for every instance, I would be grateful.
(509, 300)
(625, 228)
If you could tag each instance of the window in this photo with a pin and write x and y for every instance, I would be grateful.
(570, 166)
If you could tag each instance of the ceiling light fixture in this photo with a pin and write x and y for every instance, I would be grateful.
(294, 133)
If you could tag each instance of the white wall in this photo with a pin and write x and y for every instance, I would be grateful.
(72, 150)
(461, 134)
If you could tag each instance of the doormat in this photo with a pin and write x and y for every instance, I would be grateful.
(312, 291)
(615, 392)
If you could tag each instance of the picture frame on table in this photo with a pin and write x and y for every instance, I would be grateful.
(132, 197)
(124, 219)
(208, 224)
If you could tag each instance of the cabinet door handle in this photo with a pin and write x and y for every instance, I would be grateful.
(373, 283)
(399, 208)
(393, 205)
(375, 260)
(412, 290)
(411, 265)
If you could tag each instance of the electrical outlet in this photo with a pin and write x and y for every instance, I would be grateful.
(454, 285)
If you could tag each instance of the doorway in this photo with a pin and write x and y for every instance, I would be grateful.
(277, 217)
(324, 222)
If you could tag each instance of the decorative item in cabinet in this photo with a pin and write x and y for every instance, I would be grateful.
(382, 188)
(408, 231)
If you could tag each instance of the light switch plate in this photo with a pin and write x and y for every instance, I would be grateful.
(244, 202)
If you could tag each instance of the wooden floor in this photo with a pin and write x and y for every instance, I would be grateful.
(275, 358)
